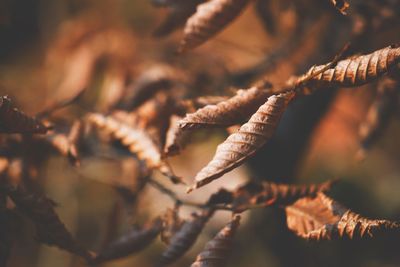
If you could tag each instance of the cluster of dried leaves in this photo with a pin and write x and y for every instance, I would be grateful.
(152, 115)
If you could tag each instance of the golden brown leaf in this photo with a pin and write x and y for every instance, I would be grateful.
(130, 243)
(184, 238)
(136, 140)
(210, 18)
(216, 251)
(322, 218)
(13, 120)
(241, 145)
(49, 228)
(379, 114)
(357, 70)
(226, 113)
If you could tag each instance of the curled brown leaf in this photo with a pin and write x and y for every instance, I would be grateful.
(322, 218)
(210, 18)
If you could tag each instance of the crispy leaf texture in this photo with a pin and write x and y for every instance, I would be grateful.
(210, 18)
(216, 251)
(137, 141)
(226, 113)
(13, 120)
(322, 218)
(250, 137)
(357, 70)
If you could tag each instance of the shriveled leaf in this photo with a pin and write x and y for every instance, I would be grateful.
(226, 113)
(49, 228)
(322, 218)
(379, 114)
(10, 225)
(210, 18)
(357, 70)
(217, 250)
(130, 243)
(183, 240)
(269, 193)
(241, 145)
(136, 140)
(13, 120)
(341, 5)
(176, 139)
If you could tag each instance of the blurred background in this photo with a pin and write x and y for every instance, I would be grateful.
(49, 50)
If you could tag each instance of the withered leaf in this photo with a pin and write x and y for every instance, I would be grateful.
(341, 5)
(131, 242)
(176, 139)
(49, 228)
(226, 113)
(322, 218)
(216, 251)
(137, 141)
(210, 18)
(184, 238)
(379, 114)
(191, 105)
(13, 120)
(356, 70)
(241, 145)
(269, 193)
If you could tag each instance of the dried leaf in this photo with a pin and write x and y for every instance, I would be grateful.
(269, 193)
(210, 18)
(184, 238)
(379, 114)
(176, 139)
(216, 251)
(49, 228)
(130, 243)
(241, 145)
(13, 120)
(341, 5)
(322, 218)
(357, 70)
(226, 113)
(137, 141)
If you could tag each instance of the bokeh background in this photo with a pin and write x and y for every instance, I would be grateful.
(45, 55)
